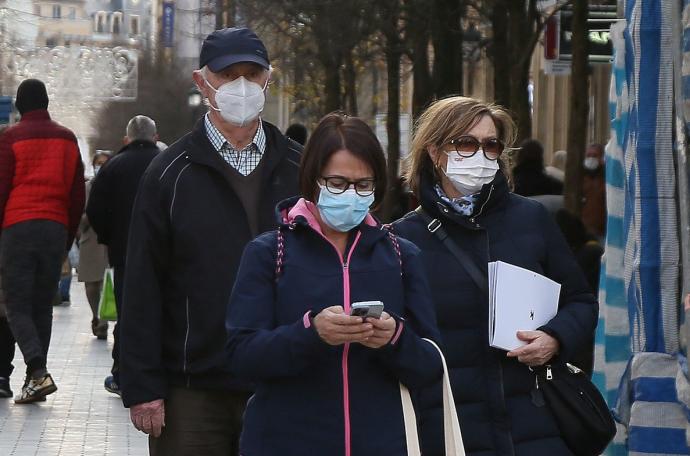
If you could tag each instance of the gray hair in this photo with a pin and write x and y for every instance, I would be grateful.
(141, 128)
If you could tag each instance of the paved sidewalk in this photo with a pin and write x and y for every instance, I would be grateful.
(81, 418)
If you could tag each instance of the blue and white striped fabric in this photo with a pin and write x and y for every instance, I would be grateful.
(612, 350)
(637, 340)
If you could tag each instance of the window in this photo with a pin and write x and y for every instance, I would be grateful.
(57, 11)
(37, 10)
(72, 13)
(100, 21)
(133, 24)
(117, 23)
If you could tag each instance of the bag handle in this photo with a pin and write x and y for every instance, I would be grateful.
(451, 424)
(436, 228)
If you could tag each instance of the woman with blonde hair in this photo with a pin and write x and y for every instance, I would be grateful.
(468, 217)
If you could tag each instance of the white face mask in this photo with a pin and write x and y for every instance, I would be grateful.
(468, 175)
(591, 163)
(239, 101)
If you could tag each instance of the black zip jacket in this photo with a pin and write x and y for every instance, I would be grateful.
(112, 196)
(187, 236)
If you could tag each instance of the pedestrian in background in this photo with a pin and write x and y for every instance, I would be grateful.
(297, 132)
(41, 202)
(557, 167)
(453, 169)
(7, 347)
(7, 344)
(93, 257)
(109, 210)
(529, 176)
(199, 204)
(290, 327)
(594, 192)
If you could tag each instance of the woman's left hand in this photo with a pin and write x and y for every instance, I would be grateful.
(539, 350)
(384, 328)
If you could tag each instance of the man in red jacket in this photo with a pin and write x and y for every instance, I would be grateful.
(41, 202)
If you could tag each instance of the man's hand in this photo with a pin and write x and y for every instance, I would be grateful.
(149, 417)
(539, 350)
(384, 328)
(335, 327)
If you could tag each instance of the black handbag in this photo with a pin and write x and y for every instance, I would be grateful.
(582, 416)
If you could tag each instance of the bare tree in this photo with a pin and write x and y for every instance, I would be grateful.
(516, 27)
(329, 30)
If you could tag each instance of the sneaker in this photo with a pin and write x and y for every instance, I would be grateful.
(36, 390)
(111, 385)
(5, 390)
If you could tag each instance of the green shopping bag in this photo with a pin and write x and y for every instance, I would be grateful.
(106, 305)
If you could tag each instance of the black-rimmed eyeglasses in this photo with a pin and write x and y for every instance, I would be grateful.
(466, 146)
(338, 185)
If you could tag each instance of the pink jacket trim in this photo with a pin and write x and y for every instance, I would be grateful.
(397, 333)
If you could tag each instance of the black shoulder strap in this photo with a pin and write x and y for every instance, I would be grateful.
(436, 228)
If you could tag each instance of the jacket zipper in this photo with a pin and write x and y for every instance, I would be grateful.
(186, 340)
(346, 349)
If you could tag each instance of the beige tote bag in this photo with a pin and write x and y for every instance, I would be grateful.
(451, 425)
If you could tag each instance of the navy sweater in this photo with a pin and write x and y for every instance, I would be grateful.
(311, 397)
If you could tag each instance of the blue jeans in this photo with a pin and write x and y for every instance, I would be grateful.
(64, 287)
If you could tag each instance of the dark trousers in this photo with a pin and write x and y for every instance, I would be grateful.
(31, 257)
(118, 287)
(200, 422)
(6, 349)
(6, 339)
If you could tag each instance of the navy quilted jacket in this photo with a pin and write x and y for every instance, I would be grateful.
(492, 392)
(312, 398)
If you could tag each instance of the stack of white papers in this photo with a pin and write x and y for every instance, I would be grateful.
(519, 300)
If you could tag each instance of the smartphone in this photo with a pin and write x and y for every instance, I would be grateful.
(366, 309)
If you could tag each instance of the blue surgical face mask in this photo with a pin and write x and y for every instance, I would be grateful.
(344, 211)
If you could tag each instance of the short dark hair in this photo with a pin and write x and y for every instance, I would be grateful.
(337, 131)
(297, 132)
(531, 151)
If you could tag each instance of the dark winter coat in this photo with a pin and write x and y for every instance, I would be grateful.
(492, 392)
(311, 397)
(530, 179)
(112, 194)
(188, 232)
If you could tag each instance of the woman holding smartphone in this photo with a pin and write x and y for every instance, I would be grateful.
(327, 382)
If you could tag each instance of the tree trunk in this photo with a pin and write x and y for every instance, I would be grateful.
(447, 40)
(332, 87)
(519, 102)
(579, 109)
(499, 53)
(520, 31)
(393, 56)
(225, 13)
(350, 76)
(422, 89)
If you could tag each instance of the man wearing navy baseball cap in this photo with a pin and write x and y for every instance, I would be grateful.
(199, 203)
